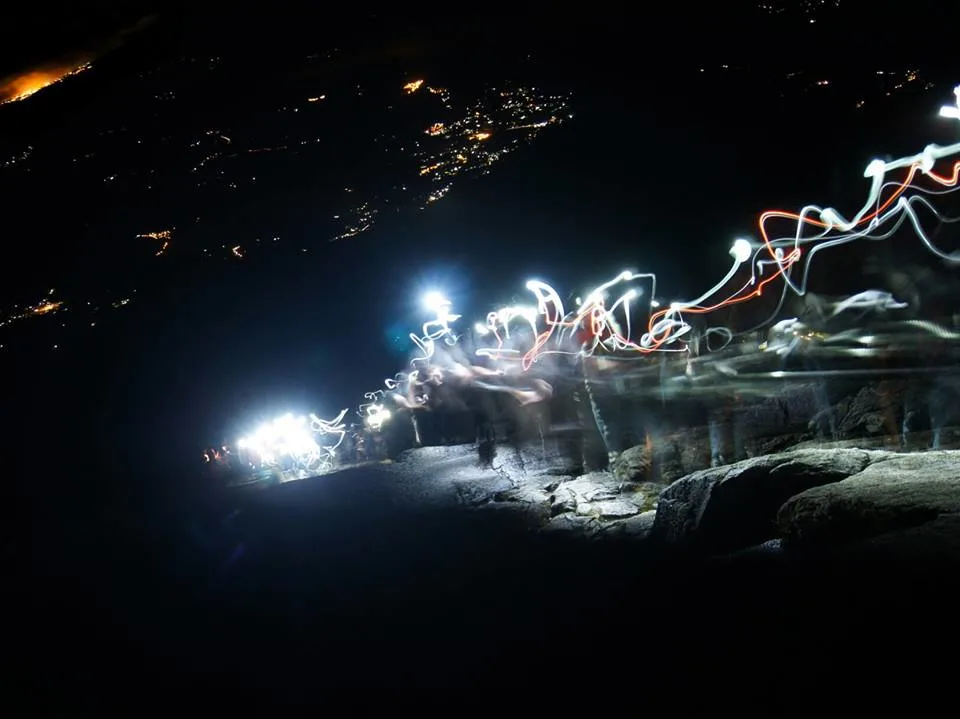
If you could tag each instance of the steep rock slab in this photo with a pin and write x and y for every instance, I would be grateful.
(900, 492)
(733, 507)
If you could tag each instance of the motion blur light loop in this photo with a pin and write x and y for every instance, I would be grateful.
(609, 321)
(377, 414)
(888, 205)
(436, 329)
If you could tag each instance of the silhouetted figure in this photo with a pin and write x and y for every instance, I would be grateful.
(361, 446)
(487, 449)
(593, 451)
(378, 446)
(427, 427)
(346, 451)
(479, 406)
(398, 433)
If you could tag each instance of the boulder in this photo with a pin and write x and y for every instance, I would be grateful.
(634, 464)
(570, 523)
(609, 509)
(634, 529)
(733, 507)
(894, 494)
(592, 487)
(640, 525)
(876, 409)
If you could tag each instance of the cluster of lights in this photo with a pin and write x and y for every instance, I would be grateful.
(45, 307)
(294, 442)
(602, 322)
(376, 415)
(163, 237)
(460, 137)
(484, 134)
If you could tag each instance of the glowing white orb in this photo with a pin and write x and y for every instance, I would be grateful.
(741, 250)
(434, 301)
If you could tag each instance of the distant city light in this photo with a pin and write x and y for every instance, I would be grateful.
(462, 137)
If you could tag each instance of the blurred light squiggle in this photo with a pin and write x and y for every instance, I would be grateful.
(623, 317)
(601, 327)
(435, 330)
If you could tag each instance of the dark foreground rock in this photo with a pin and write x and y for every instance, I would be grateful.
(370, 581)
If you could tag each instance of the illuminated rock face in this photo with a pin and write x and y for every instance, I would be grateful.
(712, 479)
(897, 495)
(731, 507)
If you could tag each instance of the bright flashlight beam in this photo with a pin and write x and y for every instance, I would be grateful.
(293, 439)
(952, 111)
(435, 302)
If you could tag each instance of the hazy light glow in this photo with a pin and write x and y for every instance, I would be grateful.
(435, 301)
(952, 111)
(376, 416)
(741, 250)
(293, 440)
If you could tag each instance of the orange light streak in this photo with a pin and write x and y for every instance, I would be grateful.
(592, 313)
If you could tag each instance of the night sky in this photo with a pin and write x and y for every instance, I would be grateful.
(660, 168)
